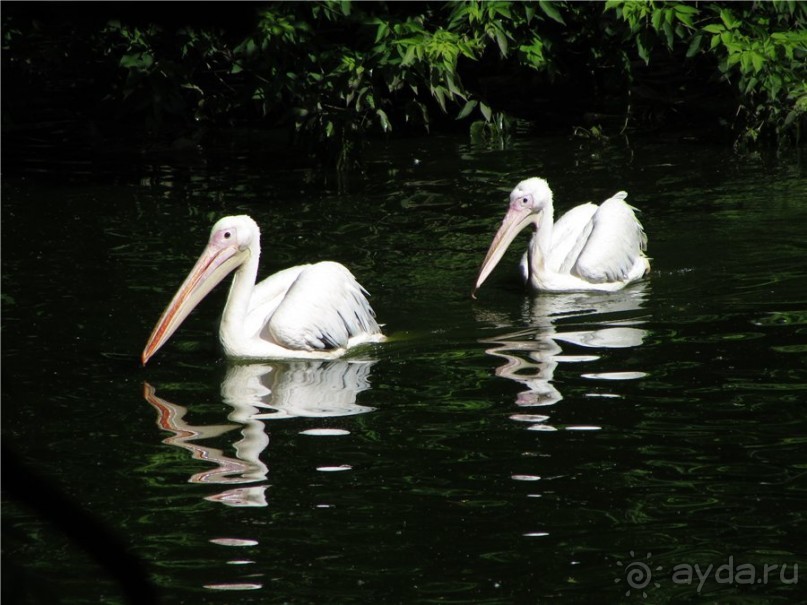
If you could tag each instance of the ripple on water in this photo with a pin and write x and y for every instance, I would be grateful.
(529, 417)
(234, 586)
(797, 349)
(525, 477)
(234, 542)
(325, 432)
(615, 375)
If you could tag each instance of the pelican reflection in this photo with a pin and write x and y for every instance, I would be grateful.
(563, 328)
(259, 393)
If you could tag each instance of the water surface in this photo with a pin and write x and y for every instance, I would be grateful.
(513, 449)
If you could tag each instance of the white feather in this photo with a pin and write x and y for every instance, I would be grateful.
(593, 248)
(615, 243)
(569, 235)
(323, 308)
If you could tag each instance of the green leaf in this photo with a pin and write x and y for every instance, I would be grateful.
(486, 112)
(643, 53)
(550, 11)
(453, 88)
(469, 107)
(694, 46)
(501, 40)
(668, 34)
(775, 83)
(409, 56)
(439, 94)
(382, 117)
(685, 13)
(728, 19)
(656, 19)
(140, 61)
(382, 31)
(791, 117)
(757, 61)
(500, 8)
(745, 62)
(250, 47)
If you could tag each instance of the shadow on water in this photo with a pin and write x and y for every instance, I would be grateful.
(63, 515)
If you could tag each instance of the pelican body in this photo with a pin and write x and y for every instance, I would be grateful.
(590, 247)
(315, 311)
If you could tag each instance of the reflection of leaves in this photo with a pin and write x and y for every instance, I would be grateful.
(425, 199)
(784, 318)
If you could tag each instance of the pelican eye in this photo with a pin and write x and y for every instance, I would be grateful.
(227, 235)
(525, 200)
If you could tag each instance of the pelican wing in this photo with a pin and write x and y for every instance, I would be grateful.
(323, 308)
(615, 242)
(267, 297)
(569, 235)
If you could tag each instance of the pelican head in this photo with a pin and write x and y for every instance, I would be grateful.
(529, 200)
(233, 240)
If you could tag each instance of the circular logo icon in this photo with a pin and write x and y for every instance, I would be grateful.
(638, 574)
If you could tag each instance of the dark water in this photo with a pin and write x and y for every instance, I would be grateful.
(512, 449)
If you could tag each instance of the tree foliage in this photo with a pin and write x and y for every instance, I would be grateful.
(335, 71)
(759, 47)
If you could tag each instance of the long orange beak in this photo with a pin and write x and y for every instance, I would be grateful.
(216, 262)
(514, 221)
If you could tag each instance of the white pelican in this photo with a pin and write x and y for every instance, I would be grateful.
(590, 248)
(313, 311)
